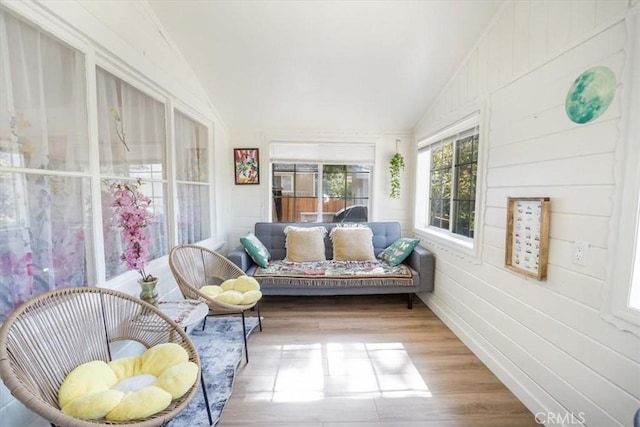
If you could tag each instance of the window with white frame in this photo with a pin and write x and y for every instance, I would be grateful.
(132, 144)
(321, 181)
(45, 199)
(621, 302)
(192, 174)
(447, 175)
(297, 189)
(51, 199)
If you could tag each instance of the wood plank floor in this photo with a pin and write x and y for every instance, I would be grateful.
(364, 361)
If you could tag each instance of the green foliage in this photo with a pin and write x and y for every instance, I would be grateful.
(395, 166)
(336, 184)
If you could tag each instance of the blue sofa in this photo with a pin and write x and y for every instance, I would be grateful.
(421, 263)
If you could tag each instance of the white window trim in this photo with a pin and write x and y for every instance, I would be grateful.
(623, 241)
(469, 247)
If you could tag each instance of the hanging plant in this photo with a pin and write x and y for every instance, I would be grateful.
(395, 166)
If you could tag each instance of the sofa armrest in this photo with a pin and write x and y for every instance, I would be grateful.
(423, 261)
(241, 258)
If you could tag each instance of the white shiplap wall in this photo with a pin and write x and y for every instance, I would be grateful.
(545, 340)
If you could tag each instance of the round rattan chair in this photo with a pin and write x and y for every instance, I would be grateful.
(194, 267)
(48, 336)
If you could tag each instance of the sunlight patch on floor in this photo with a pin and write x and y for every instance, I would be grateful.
(335, 370)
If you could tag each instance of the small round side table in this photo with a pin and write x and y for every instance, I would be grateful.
(185, 313)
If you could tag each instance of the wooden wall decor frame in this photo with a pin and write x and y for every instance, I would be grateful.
(528, 236)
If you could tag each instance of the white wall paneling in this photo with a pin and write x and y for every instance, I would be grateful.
(546, 340)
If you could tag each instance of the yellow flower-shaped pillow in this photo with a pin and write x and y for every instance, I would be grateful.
(129, 388)
(244, 290)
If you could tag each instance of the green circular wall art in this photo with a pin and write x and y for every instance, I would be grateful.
(591, 94)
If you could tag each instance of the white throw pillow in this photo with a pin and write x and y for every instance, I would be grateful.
(352, 244)
(305, 243)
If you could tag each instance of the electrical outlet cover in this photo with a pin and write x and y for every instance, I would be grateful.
(580, 252)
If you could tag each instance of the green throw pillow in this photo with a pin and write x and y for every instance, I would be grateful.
(256, 250)
(398, 251)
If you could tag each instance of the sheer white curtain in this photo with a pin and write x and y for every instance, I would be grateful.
(192, 172)
(132, 141)
(44, 215)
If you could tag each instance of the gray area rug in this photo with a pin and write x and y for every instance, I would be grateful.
(220, 350)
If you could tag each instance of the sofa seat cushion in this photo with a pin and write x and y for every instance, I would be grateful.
(335, 273)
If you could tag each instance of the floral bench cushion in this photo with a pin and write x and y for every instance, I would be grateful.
(335, 273)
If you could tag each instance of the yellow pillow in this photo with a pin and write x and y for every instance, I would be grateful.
(305, 244)
(162, 356)
(93, 406)
(228, 285)
(140, 404)
(126, 366)
(246, 283)
(211, 290)
(250, 297)
(178, 379)
(128, 388)
(352, 244)
(229, 297)
(86, 379)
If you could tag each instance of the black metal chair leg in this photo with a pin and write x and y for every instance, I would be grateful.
(204, 322)
(259, 318)
(244, 336)
(206, 398)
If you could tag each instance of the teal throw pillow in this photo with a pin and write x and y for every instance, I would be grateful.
(256, 250)
(398, 251)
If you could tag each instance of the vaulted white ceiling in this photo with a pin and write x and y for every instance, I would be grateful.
(364, 66)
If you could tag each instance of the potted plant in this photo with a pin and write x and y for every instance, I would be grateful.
(395, 166)
(131, 208)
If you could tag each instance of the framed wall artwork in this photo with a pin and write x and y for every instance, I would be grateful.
(247, 166)
(528, 236)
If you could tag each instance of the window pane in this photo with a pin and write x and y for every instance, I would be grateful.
(464, 151)
(113, 242)
(465, 185)
(43, 113)
(45, 236)
(346, 193)
(45, 220)
(440, 186)
(336, 186)
(131, 127)
(295, 192)
(193, 213)
(464, 214)
(465, 181)
(191, 149)
(439, 213)
(132, 144)
(306, 181)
